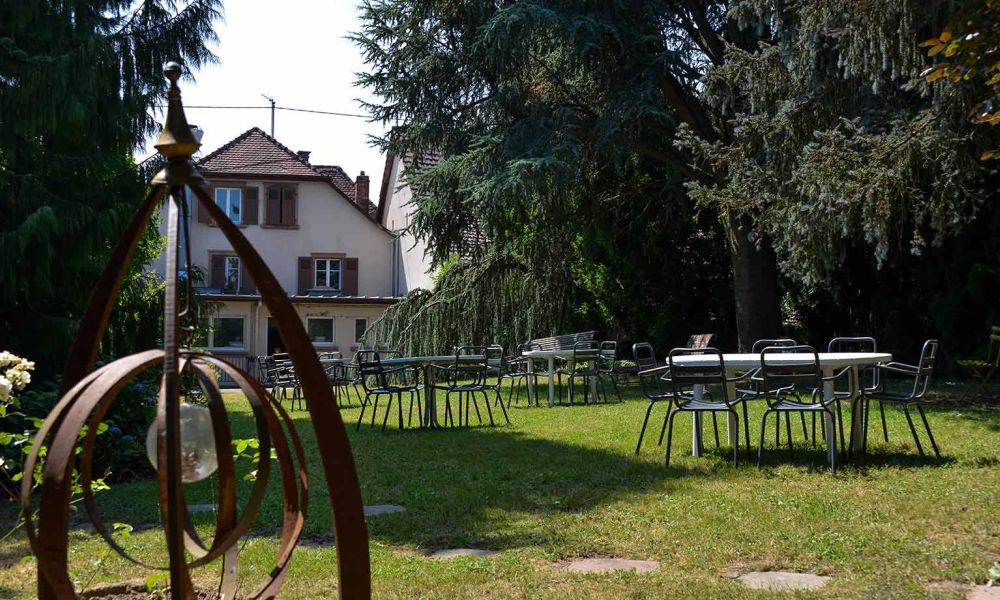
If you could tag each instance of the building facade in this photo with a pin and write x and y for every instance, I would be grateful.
(317, 231)
(410, 267)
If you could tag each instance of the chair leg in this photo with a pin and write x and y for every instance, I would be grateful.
(420, 407)
(489, 411)
(409, 418)
(805, 434)
(715, 426)
(885, 430)
(670, 433)
(388, 409)
(361, 417)
(840, 427)
(736, 438)
(448, 415)
(374, 410)
(746, 429)
(864, 434)
(763, 428)
(399, 406)
(814, 430)
(788, 430)
(930, 435)
(618, 392)
(777, 430)
(642, 431)
(663, 429)
(475, 404)
(913, 430)
(506, 417)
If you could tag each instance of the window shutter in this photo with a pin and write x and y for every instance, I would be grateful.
(203, 216)
(218, 275)
(272, 215)
(250, 203)
(246, 283)
(289, 206)
(305, 274)
(350, 287)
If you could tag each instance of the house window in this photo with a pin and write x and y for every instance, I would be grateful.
(227, 332)
(320, 331)
(328, 273)
(360, 325)
(231, 275)
(280, 208)
(230, 200)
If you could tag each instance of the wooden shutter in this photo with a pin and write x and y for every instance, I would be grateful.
(250, 203)
(218, 276)
(350, 286)
(246, 283)
(289, 206)
(272, 214)
(305, 274)
(203, 216)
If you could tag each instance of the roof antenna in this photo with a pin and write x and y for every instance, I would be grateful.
(271, 100)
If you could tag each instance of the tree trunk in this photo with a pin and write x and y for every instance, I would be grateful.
(755, 284)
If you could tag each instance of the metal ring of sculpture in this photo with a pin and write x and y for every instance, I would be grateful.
(88, 395)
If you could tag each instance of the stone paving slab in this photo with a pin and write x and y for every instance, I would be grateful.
(984, 592)
(456, 552)
(782, 580)
(383, 509)
(605, 565)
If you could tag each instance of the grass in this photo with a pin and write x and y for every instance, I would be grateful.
(564, 483)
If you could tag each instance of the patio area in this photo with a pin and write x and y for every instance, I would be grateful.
(562, 484)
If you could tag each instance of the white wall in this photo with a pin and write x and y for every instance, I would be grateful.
(412, 268)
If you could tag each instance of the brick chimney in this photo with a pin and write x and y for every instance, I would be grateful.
(361, 191)
(303, 155)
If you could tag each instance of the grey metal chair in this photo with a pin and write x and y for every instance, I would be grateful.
(581, 364)
(753, 392)
(466, 378)
(683, 378)
(515, 370)
(868, 383)
(496, 367)
(607, 356)
(782, 381)
(653, 381)
(377, 381)
(920, 374)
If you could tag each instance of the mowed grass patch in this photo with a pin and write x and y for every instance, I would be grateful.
(562, 483)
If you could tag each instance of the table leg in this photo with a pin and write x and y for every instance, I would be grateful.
(831, 423)
(552, 381)
(531, 382)
(593, 390)
(430, 402)
(697, 391)
(857, 413)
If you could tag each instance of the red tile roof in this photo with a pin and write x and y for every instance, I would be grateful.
(256, 153)
(341, 180)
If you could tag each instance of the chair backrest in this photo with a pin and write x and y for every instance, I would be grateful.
(469, 372)
(585, 353)
(494, 356)
(857, 344)
(759, 345)
(993, 354)
(925, 368)
(700, 340)
(264, 375)
(644, 356)
(710, 370)
(607, 354)
(370, 369)
(777, 373)
(563, 342)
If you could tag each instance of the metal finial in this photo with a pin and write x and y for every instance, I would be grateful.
(177, 143)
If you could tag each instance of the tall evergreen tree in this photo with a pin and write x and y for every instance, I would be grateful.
(78, 82)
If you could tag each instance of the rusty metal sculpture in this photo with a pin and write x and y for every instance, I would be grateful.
(87, 395)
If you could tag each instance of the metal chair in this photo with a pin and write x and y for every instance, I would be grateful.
(496, 367)
(921, 376)
(581, 364)
(868, 383)
(515, 370)
(653, 381)
(376, 380)
(607, 356)
(465, 377)
(982, 370)
(285, 379)
(683, 379)
(752, 392)
(779, 382)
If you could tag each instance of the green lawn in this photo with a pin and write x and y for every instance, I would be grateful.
(564, 483)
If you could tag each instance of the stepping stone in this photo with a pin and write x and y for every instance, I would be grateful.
(604, 565)
(984, 592)
(454, 552)
(383, 509)
(782, 580)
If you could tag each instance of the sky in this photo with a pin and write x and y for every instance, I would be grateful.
(294, 51)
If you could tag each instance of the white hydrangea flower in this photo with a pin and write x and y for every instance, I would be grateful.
(5, 389)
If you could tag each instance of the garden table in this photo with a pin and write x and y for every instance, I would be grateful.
(829, 362)
(550, 356)
(425, 362)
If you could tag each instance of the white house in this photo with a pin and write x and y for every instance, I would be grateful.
(410, 268)
(317, 231)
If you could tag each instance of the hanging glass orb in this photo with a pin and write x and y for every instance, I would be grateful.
(198, 458)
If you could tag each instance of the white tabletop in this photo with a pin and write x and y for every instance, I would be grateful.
(751, 361)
